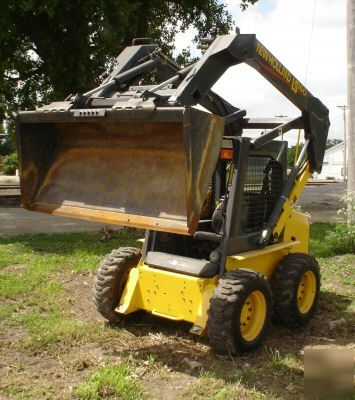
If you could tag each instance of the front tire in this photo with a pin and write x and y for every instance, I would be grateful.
(295, 288)
(111, 278)
(239, 312)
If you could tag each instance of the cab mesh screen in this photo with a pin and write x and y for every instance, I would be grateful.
(262, 188)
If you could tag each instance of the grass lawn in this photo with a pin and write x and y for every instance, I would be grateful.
(54, 345)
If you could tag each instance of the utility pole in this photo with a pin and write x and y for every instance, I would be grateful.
(344, 158)
(351, 94)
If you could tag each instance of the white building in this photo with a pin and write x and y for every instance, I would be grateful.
(333, 164)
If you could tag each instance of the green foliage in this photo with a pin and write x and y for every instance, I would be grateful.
(291, 153)
(110, 382)
(342, 238)
(332, 142)
(52, 48)
(245, 3)
(5, 147)
(10, 163)
(318, 247)
(5, 144)
(10, 138)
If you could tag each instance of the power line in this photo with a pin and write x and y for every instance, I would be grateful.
(310, 41)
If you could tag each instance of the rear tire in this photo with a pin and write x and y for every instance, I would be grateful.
(111, 278)
(239, 312)
(295, 288)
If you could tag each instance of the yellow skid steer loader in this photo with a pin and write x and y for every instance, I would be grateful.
(225, 249)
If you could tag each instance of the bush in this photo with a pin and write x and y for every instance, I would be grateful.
(5, 147)
(10, 164)
(342, 239)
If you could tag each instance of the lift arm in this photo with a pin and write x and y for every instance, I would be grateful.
(229, 50)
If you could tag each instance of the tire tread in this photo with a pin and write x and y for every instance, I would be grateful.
(112, 268)
(285, 278)
(231, 289)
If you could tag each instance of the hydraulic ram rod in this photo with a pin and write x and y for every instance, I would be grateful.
(125, 75)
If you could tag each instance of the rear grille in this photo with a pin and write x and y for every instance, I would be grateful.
(262, 188)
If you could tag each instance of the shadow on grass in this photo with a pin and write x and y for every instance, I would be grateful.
(72, 243)
(269, 370)
(89, 242)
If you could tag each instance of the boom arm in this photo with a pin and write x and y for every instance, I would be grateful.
(229, 50)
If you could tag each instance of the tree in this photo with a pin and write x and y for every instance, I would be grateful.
(51, 48)
(332, 142)
(291, 154)
(245, 3)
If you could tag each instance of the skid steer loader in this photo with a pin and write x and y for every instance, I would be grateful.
(225, 249)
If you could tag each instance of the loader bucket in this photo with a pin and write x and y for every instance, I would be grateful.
(132, 168)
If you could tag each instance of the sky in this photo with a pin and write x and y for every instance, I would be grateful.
(317, 58)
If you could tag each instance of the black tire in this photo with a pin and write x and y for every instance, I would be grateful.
(285, 283)
(224, 315)
(111, 278)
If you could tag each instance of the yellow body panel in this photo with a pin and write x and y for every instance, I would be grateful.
(186, 298)
(263, 260)
(182, 297)
(295, 194)
(297, 229)
(167, 294)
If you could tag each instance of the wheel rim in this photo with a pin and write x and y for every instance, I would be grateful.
(253, 315)
(306, 292)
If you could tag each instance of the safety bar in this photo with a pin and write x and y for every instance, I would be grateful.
(276, 132)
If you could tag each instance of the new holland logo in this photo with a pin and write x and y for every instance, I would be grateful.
(279, 71)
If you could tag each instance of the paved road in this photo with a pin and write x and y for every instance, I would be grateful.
(321, 201)
(15, 221)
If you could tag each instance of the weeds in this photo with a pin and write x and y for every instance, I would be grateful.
(209, 387)
(342, 237)
(318, 247)
(111, 382)
(10, 163)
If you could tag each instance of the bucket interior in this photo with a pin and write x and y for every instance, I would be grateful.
(146, 174)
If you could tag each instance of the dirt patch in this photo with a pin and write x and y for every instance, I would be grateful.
(167, 385)
(160, 352)
(78, 288)
(15, 269)
(45, 376)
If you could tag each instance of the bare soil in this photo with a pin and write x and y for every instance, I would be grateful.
(54, 374)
